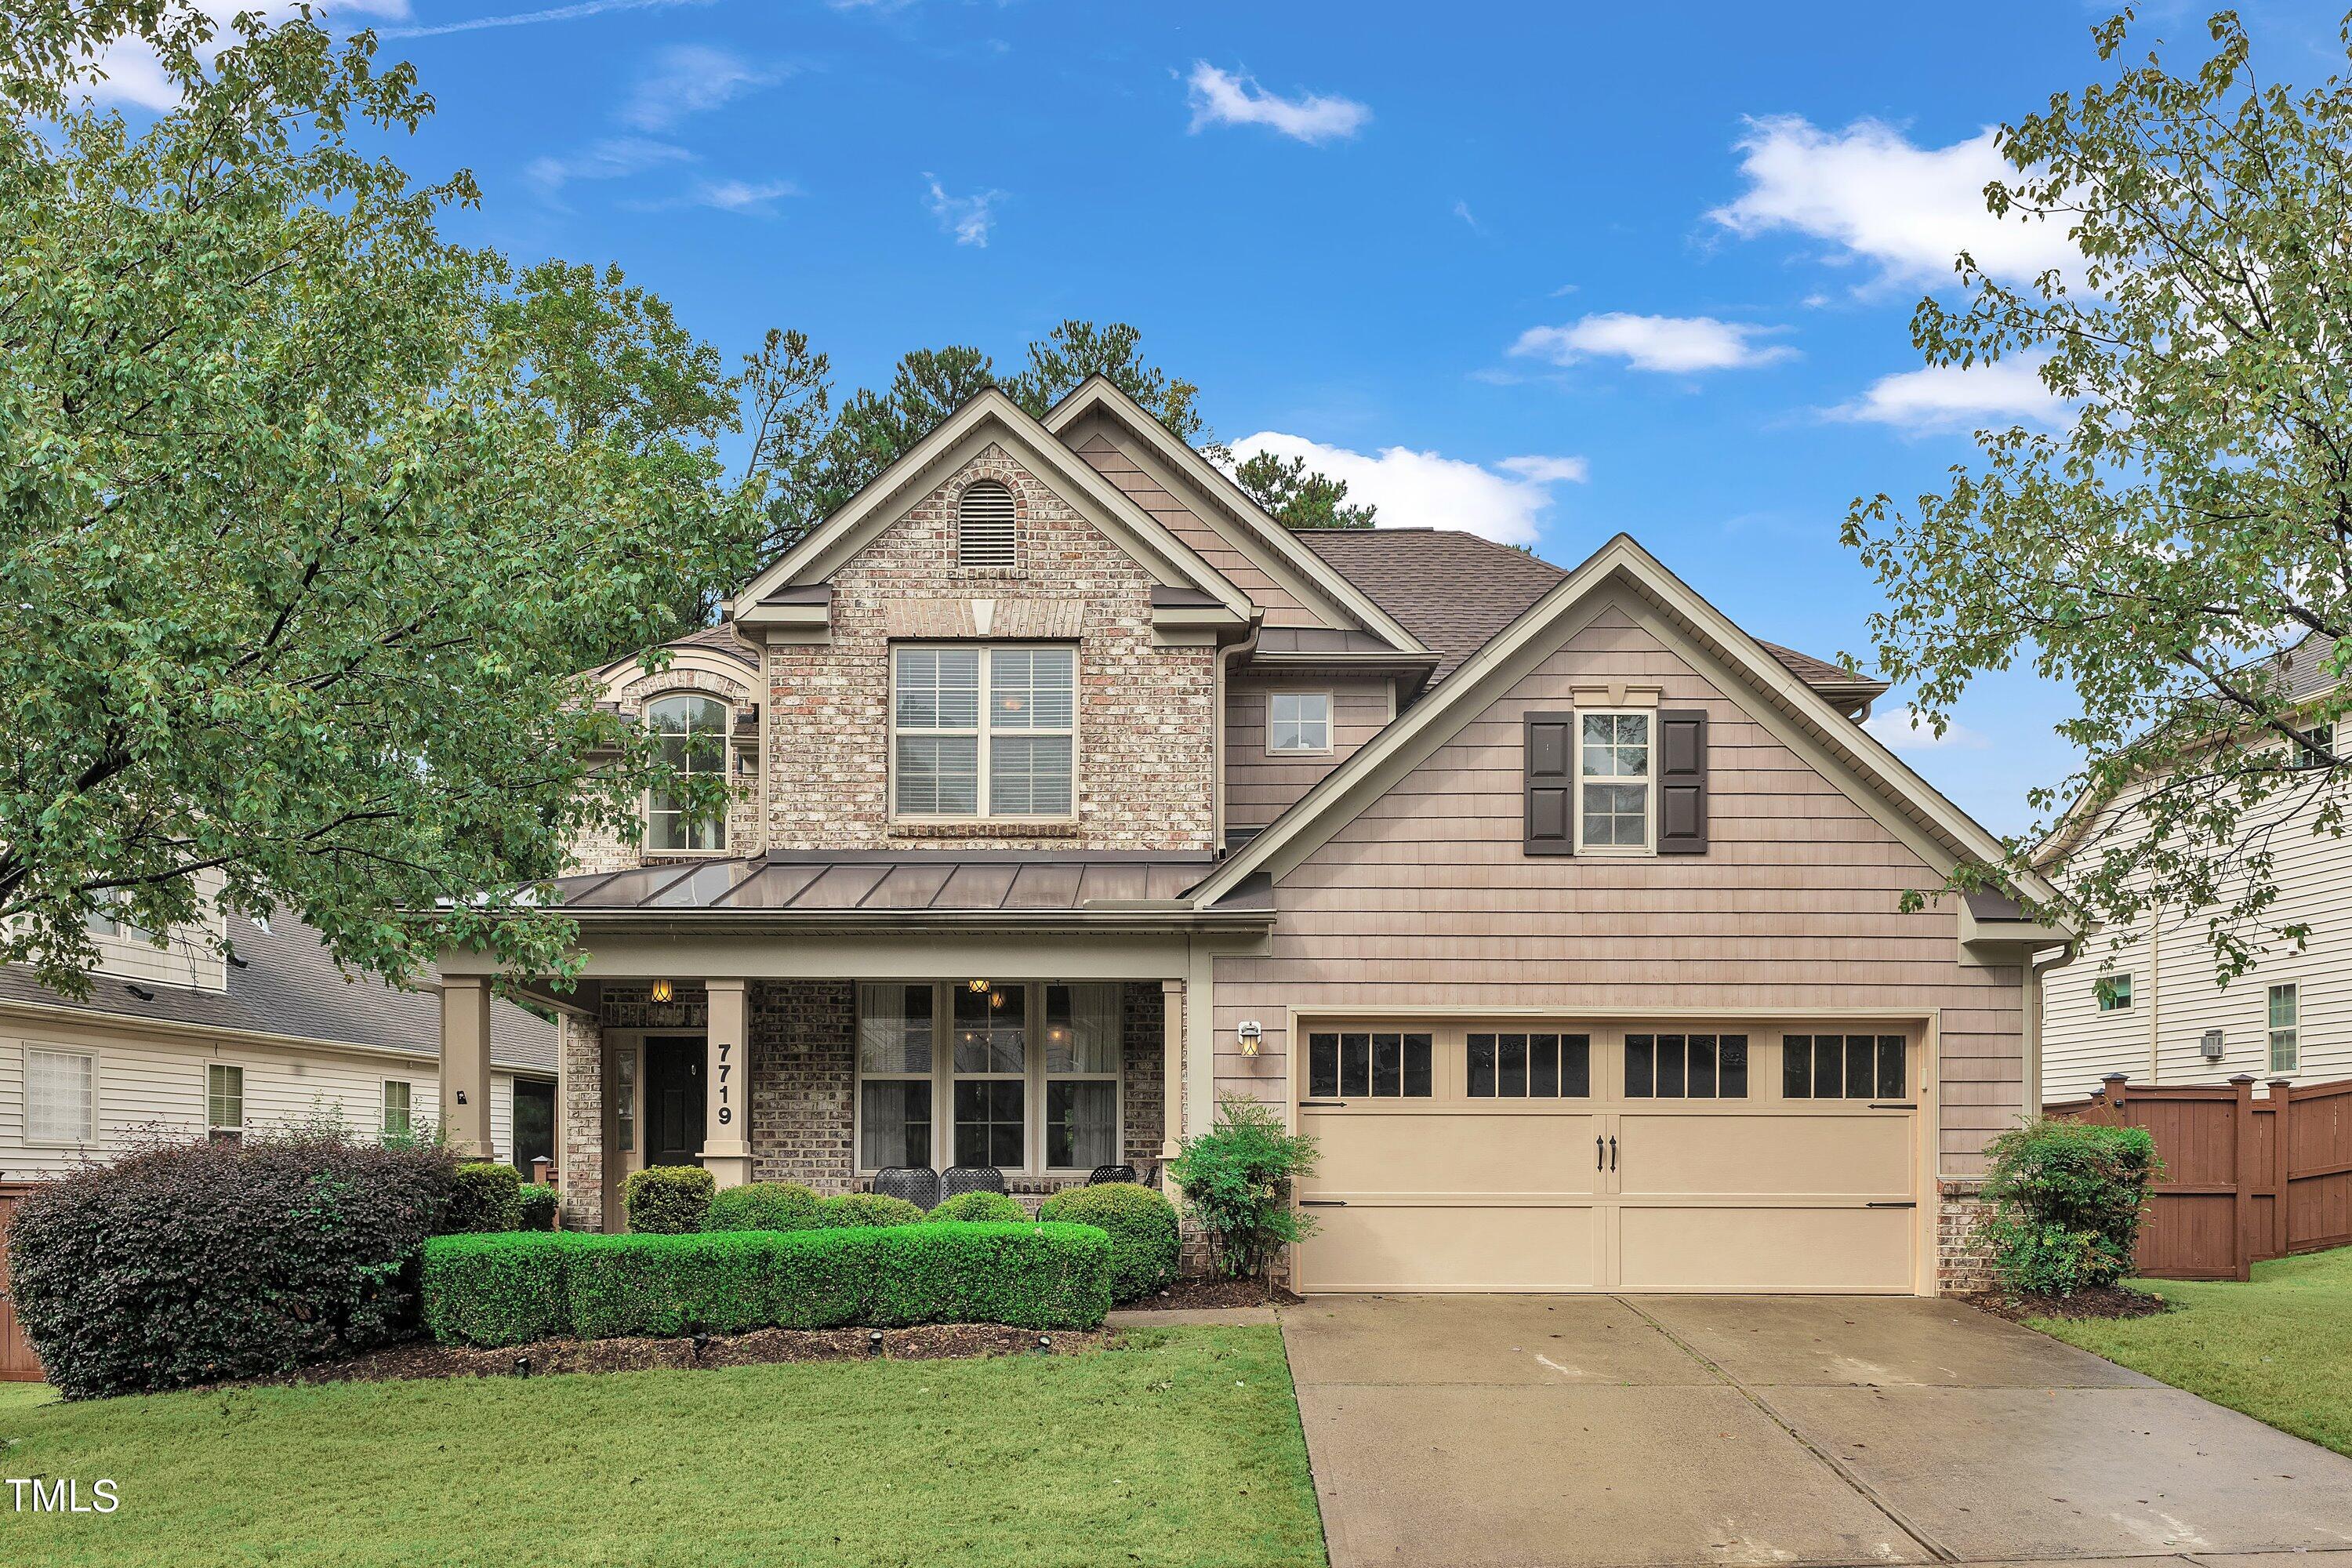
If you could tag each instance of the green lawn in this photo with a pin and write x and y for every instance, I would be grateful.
(2274, 1348)
(1182, 1449)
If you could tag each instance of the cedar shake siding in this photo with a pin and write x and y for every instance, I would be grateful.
(1428, 899)
(1261, 786)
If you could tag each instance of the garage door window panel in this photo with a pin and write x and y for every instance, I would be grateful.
(1527, 1066)
(1374, 1064)
(1686, 1066)
(1843, 1067)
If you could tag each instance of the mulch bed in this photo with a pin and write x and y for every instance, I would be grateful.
(2101, 1301)
(931, 1342)
(1193, 1295)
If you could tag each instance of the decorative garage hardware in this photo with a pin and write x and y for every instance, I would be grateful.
(1251, 1032)
(1322, 1203)
(1613, 1153)
(1890, 1204)
(1323, 1105)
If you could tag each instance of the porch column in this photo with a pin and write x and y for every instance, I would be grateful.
(1171, 1079)
(727, 1077)
(466, 1066)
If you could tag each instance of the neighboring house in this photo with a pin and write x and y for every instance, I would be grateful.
(179, 1042)
(2149, 1007)
(1074, 793)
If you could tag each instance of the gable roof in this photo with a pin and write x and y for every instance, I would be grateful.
(990, 415)
(1940, 831)
(288, 986)
(1248, 523)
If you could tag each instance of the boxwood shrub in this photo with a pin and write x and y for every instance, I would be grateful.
(1142, 1228)
(1028, 1276)
(539, 1204)
(196, 1262)
(2066, 1198)
(849, 1209)
(667, 1200)
(488, 1198)
(989, 1209)
(764, 1205)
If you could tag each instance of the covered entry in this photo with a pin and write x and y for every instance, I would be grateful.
(1541, 1156)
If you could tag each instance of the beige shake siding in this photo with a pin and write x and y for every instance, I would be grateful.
(1260, 785)
(1428, 899)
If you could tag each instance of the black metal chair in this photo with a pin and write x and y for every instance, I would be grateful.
(958, 1180)
(1105, 1175)
(918, 1184)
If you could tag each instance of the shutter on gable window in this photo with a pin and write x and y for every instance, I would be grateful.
(1682, 783)
(1551, 784)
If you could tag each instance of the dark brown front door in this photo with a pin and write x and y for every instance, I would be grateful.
(674, 1099)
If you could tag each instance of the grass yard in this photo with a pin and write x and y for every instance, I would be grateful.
(2278, 1348)
(1184, 1447)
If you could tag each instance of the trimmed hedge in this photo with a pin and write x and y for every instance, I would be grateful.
(854, 1209)
(982, 1208)
(667, 1200)
(764, 1205)
(500, 1290)
(488, 1198)
(539, 1204)
(1142, 1228)
(197, 1262)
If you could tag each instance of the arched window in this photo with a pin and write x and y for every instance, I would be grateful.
(984, 526)
(693, 732)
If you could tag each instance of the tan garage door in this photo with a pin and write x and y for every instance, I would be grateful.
(1516, 1157)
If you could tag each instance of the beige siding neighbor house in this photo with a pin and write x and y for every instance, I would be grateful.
(1073, 794)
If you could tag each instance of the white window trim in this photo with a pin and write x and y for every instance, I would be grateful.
(238, 1126)
(25, 1102)
(1033, 1076)
(2292, 1032)
(726, 770)
(980, 814)
(383, 1109)
(2100, 985)
(1330, 724)
(1649, 845)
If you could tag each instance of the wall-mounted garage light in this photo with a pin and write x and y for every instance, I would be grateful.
(1250, 1033)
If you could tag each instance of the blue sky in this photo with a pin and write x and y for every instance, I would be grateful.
(1548, 271)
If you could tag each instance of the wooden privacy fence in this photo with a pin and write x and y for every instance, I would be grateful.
(2245, 1179)
(17, 1361)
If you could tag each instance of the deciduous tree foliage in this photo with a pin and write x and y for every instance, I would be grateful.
(2193, 514)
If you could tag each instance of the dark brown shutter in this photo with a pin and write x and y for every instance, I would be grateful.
(1551, 761)
(1682, 783)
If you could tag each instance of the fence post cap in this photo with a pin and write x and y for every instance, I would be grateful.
(2113, 1077)
(2281, 1083)
(2242, 1078)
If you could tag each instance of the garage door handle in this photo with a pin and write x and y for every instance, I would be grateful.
(1596, 1151)
(1322, 1203)
(1613, 1153)
(1907, 1204)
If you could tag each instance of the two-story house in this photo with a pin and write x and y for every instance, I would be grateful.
(1073, 794)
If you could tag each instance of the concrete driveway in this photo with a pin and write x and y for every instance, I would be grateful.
(1529, 1430)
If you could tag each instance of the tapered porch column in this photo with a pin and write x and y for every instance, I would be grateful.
(1172, 1080)
(466, 1066)
(727, 1078)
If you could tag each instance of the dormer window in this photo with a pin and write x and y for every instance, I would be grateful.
(985, 536)
(693, 734)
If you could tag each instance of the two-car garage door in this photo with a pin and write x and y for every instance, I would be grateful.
(1540, 1158)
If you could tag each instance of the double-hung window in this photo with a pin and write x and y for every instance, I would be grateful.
(2287, 1028)
(1027, 1078)
(693, 734)
(983, 732)
(1613, 783)
(399, 1109)
(225, 1101)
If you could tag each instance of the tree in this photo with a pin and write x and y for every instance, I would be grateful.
(2193, 516)
(1298, 498)
(310, 517)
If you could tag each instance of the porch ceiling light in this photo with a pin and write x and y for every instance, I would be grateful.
(978, 987)
(661, 990)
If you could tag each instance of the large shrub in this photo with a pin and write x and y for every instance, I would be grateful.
(488, 1198)
(1142, 1230)
(198, 1262)
(855, 1209)
(667, 1200)
(539, 1205)
(2066, 1201)
(764, 1205)
(495, 1290)
(1236, 1179)
(982, 1208)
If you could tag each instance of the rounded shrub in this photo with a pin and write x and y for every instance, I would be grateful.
(1142, 1228)
(667, 1200)
(849, 1210)
(985, 1208)
(488, 1198)
(764, 1205)
(2066, 1198)
(198, 1262)
(539, 1205)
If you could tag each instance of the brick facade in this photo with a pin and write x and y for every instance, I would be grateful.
(580, 1154)
(1963, 1263)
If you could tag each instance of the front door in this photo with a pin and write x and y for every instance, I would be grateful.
(674, 1098)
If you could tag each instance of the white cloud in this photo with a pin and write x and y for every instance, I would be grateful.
(1902, 730)
(727, 195)
(133, 74)
(1906, 209)
(1219, 98)
(1946, 397)
(615, 158)
(969, 218)
(1674, 344)
(1462, 210)
(573, 13)
(690, 78)
(1424, 490)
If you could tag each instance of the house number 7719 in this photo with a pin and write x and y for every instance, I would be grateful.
(726, 1071)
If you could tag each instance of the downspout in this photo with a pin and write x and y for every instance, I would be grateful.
(2034, 971)
(1226, 657)
(2155, 991)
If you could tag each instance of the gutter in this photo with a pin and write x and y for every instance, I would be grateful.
(2035, 968)
(216, 1034)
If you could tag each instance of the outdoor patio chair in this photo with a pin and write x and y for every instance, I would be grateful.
(958, 1180)
(918, 1184)
(1105, 1175)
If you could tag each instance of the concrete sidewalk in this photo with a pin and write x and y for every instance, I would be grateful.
(1590, 1431)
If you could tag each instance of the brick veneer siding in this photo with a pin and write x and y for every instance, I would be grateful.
(1146, 718)
(804, 1079)
(1963, 1263)
(1143, 1066)
(608, 851)
(580, 1167)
